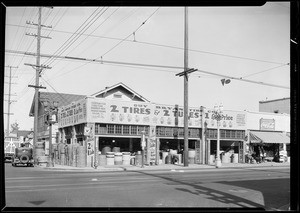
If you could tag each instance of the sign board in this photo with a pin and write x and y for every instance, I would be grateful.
(229, 119)
(197, 152)
(267, 124)
(72, 114)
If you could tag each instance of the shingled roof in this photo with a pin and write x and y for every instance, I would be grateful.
(61, 98)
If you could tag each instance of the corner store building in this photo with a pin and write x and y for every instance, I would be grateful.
(117, 116)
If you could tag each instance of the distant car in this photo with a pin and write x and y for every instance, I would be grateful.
(22, 156)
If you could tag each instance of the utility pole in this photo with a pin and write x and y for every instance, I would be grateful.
(9, 101)
(186, 106)
(38, 69)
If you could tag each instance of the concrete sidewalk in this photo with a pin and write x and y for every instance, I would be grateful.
(165, 167)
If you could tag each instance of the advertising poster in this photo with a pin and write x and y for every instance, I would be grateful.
(229, 119)
(165, 115)
(72, 114)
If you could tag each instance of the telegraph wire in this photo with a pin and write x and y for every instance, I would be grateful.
(156, 66)
(264, 71)
(129, 34)
(72, 39)
(173, 47)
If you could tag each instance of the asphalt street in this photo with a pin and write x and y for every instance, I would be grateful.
(261, 187)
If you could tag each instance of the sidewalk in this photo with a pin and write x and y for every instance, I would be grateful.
(165, 167)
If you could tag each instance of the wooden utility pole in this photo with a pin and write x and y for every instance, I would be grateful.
(38, 69)
(186, 105)
(9, 101)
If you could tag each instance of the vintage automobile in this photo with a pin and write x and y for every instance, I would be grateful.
(22, 156)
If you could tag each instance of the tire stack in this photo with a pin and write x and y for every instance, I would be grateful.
(102, 160)
(69, 155)
(81, 159)
(61, 154)
(191, 156)
(40, 149)
(74, 154)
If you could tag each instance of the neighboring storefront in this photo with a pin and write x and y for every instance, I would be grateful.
(268, 136)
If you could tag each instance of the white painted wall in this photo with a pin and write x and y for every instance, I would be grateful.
(282, 121)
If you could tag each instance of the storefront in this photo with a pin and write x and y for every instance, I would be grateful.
(232, 136)
(107, 125)
(268, 137)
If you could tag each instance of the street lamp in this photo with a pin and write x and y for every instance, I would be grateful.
(51, 110)
(218, 110)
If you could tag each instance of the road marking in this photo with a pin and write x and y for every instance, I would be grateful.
(94, 179)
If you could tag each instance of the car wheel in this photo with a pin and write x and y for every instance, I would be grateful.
(24, 159)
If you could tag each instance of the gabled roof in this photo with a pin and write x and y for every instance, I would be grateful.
(132, 92)
(61, 98)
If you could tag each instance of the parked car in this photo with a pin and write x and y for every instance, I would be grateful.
(22, 156)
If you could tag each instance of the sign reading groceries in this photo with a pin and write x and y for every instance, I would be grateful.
(98, 110)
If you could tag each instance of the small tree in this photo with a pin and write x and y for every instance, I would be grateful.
(14, 127)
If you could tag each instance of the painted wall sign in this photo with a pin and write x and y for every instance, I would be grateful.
(228, 119)
(72, 114)
(98, 110)
(267, 124)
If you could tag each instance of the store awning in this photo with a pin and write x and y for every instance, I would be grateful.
(268, 137)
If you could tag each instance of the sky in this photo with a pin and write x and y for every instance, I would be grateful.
(252, 43)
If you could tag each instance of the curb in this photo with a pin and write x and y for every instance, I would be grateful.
(159, 168)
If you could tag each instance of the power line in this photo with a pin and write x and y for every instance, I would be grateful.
(173, 47)
(129, 34)
(264, 71)
(81, 29)
(92, 31)
(146, 65)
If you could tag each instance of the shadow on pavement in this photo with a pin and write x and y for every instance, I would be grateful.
(215, 195)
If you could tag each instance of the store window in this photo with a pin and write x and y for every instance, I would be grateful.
(118, 129)
(133, 130)
(125, 130)
(110, 129)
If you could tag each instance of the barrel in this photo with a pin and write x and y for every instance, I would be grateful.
(211, 159)
(164, 155)
(116, 149)
(179, 158)
(235, 158)
(118, 158)
(168, 159)
(132, 160)
(105, 150)
(126, 158)
(110, 158)
(192, 154)
(102, 160)
(138, 159)
(173, 152)
(226, 158)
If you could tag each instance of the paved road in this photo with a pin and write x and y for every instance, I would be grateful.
(225, 188)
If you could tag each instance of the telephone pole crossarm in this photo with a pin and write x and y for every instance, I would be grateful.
(186, 72)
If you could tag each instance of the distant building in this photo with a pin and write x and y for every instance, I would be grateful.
(275, 106)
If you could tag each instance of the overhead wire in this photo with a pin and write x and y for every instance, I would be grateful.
(89, 35)
(263, 71)
(153, 65)
(91, 32)
(174, 47)
(128, 35)
(83, 27)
